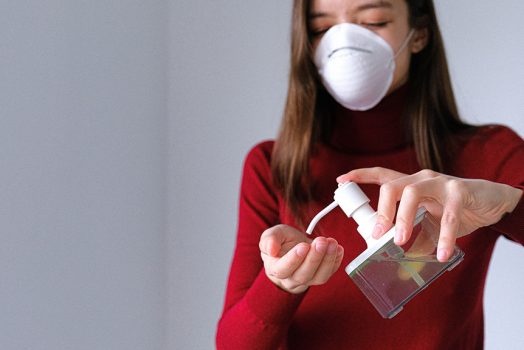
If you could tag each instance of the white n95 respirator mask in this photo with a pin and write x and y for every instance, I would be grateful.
(356, 65)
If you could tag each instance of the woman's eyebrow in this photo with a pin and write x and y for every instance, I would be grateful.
(366, 6)
(374, 5)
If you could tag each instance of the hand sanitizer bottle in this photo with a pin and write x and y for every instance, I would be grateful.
(390, 275)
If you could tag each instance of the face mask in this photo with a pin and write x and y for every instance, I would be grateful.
(356, 65)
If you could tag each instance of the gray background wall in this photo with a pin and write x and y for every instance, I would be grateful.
(122, 132)
(83, 113)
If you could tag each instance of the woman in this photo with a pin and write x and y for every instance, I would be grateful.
(349, 108)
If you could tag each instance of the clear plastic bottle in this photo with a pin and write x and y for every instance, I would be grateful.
(390, 275)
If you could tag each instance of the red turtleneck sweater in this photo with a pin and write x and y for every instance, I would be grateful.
(447, 315)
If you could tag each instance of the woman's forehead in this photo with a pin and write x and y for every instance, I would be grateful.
(352, 5)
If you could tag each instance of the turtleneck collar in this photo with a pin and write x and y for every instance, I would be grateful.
(377, 130)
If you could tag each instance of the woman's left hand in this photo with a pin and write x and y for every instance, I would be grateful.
(463, 205)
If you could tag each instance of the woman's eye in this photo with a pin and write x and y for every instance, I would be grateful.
(318, 32)
(375, 24)
(315, 33)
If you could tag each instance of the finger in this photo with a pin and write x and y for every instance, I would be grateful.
(390, 193)
(338, 261)
(376, 175)
(429, 190)
(450, 222)
(269, 243)
(325, 269)
(272, 240)
(387, 205)
(285, 266)
(407, 210)
(410, 190)
(305, 272)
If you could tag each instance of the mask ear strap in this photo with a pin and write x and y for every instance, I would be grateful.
(405, 43)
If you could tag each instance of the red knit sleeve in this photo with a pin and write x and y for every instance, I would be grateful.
(507, 153)
(256, 313)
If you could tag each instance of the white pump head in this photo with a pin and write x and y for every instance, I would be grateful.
(355, 204)
(350, 198)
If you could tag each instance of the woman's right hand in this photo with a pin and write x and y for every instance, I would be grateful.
(294, 262)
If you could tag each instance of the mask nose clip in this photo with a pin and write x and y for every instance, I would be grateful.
(349, 49)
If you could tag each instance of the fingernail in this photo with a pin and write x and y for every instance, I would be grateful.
(321, 246)
(332, 248)
(340, 250)
(400, 233)
(301, 250)
(442, 254)
(378, 230)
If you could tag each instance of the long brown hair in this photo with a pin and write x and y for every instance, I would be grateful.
(431, 112)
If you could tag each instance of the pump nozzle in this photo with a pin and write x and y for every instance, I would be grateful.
(355, 204)
(319, 216)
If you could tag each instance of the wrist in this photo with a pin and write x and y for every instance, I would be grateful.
(514, 197)
(286, 287)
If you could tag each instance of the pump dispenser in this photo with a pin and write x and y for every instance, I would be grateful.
(390, 275)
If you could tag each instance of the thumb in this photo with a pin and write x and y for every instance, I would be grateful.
(270, 246)
(273, 239)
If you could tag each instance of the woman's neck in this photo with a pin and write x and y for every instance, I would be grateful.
(377, 130)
